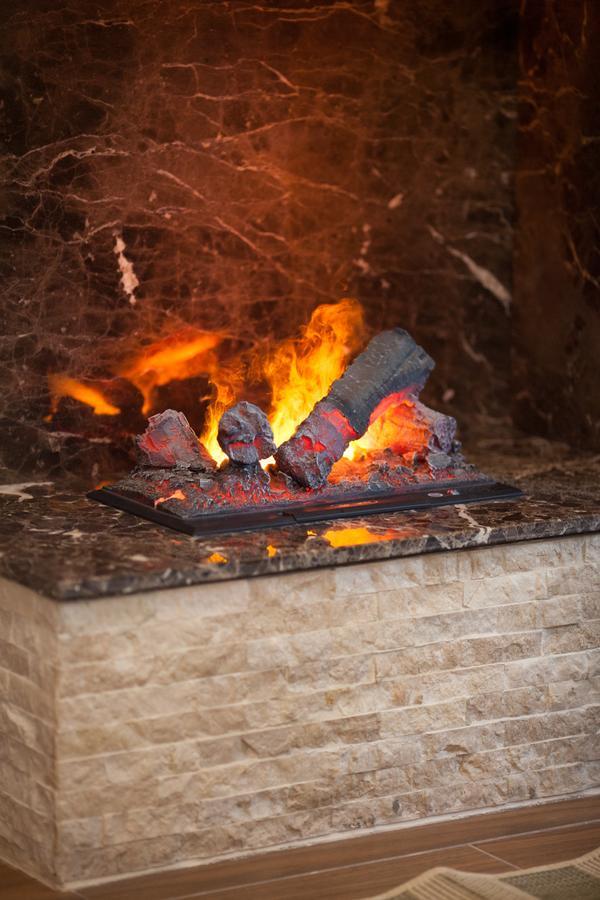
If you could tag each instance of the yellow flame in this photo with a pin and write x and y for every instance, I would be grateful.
(227, 384)
(63, 386)
(301, 370)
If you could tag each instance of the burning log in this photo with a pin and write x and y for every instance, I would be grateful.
(245, 434)
(169, 441)
(392, 363)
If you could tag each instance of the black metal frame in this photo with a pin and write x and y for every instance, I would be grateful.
(209, 524)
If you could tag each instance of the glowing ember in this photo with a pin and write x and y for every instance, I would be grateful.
(176, 495)
(62, 386)
(395, 427)
(350, 537)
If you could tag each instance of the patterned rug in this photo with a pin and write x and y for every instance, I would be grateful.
(577, 879)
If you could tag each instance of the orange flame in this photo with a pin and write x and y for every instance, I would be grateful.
(301, 370)
(397, 428)
(227, 382)
(63, 386)
(173, 358)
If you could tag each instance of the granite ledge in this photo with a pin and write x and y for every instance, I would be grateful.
(55, 541)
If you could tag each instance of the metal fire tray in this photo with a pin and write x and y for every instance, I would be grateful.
(308, 512)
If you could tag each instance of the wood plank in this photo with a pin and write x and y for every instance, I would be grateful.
(352, 850)
(16, 885)
(545, 847)
(354, 882)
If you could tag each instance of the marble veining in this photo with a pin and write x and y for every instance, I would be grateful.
(229, 166)
(66, 547)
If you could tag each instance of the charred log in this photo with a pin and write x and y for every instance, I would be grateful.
(391, 364)
(169, 441)
(245, 434)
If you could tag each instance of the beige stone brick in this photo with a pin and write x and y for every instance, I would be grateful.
(414, 602)
(544, 670)
(463, 741)
(590, 605)
(419, 719)
(570, 638)
(573, 579)
(458, 653)
(566, 779)
(560, 611)
(572, 694)
(29, 730)
(520, 557)
(14, 659)
(505, 588)
(591, 547)
(507, 704)
(547, 726)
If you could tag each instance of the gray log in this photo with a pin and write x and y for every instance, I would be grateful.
(392, 363)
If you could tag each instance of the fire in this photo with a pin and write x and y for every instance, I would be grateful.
(63, 386)
(175, 357)
(227, 383)
(393, 425)
(301, 370)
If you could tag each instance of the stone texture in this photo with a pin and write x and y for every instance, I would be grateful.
(86, 550)
(28, 780)
(228, 166)
(556, 324)
(183, 725)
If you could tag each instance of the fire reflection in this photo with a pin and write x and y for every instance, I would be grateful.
(63, 386)
(351, 536)
(217, 558)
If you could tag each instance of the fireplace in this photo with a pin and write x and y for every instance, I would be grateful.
(361, 443)
(212, 212)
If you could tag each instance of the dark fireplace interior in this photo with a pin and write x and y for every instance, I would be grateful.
(216, 202)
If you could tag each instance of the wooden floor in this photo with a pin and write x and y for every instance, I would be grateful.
(361, 866)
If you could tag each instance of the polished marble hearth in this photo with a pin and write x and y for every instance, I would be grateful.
(170, 700)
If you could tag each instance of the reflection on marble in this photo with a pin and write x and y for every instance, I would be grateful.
(231, 165)
(56, 541)
(557, 261)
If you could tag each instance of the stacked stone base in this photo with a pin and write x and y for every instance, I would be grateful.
(165, 728)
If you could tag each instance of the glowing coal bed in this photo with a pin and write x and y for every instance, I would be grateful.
(327, 467)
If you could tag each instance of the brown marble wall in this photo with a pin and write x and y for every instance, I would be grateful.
(231, 165)
(557, 261)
